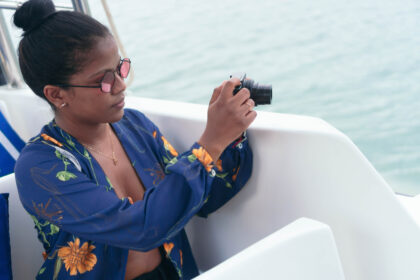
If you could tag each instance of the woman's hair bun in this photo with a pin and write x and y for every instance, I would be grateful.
(32, 13)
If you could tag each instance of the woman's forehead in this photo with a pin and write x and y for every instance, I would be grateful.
(106, 46)
(103, 56)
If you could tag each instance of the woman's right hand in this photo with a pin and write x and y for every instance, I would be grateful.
(228, 116)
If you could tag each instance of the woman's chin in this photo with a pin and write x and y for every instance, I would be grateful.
(117, 116)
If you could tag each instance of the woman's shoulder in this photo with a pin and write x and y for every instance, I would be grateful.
(36, 148)
(37, 142)
(45, 146)
(35, 151)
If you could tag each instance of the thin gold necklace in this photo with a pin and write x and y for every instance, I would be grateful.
(113, 157)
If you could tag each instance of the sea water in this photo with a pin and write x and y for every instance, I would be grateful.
(355, 64)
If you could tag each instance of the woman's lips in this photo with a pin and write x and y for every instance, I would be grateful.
(119, 104)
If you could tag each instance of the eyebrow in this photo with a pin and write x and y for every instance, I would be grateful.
(105, 70)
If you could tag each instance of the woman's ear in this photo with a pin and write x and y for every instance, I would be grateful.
(55, 95)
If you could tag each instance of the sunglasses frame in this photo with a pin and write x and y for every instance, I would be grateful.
(118, 70)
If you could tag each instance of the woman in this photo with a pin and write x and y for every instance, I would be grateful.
(107, 192)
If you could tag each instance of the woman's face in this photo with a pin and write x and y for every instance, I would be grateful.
(91, 105)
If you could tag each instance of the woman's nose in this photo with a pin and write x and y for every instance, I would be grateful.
(119, 84)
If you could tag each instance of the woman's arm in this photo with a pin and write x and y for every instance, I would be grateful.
(233, 171)
(55, 190)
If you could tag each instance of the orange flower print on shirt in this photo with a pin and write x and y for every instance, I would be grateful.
(168, 247)
(44, 255)
(219, 165)
(130, 200)
(49, 138)
(154, 134)
(180, 257)
(235, 175)
(78, 259)
(204, 157)
(169, 147)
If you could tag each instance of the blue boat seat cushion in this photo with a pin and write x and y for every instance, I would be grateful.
(5, 257)
(10, 146)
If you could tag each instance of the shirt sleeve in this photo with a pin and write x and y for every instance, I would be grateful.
(233, 170)
(52, 187)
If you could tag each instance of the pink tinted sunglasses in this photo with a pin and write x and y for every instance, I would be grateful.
(108, 79)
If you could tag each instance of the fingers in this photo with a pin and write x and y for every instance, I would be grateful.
(228, 87)
(241, 103)
(250, 116)
(216, 93)
(242, 96)
(229, 114)
(246, 107)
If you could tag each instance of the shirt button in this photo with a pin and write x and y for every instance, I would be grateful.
(239, 146)
(213, 173)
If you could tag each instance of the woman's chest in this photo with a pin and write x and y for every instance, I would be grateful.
(126, 182)
(122, 175)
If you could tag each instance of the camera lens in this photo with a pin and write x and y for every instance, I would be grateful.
(261, 94)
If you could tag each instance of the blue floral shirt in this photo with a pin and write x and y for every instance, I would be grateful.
(87, 231)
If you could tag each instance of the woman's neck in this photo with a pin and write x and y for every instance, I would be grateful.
(87, 133)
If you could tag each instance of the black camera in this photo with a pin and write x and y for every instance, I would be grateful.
(261, 94)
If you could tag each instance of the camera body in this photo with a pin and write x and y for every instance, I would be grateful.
(261, 94)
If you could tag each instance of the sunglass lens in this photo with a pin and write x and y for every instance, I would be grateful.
(125, 68)
(107, 82)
